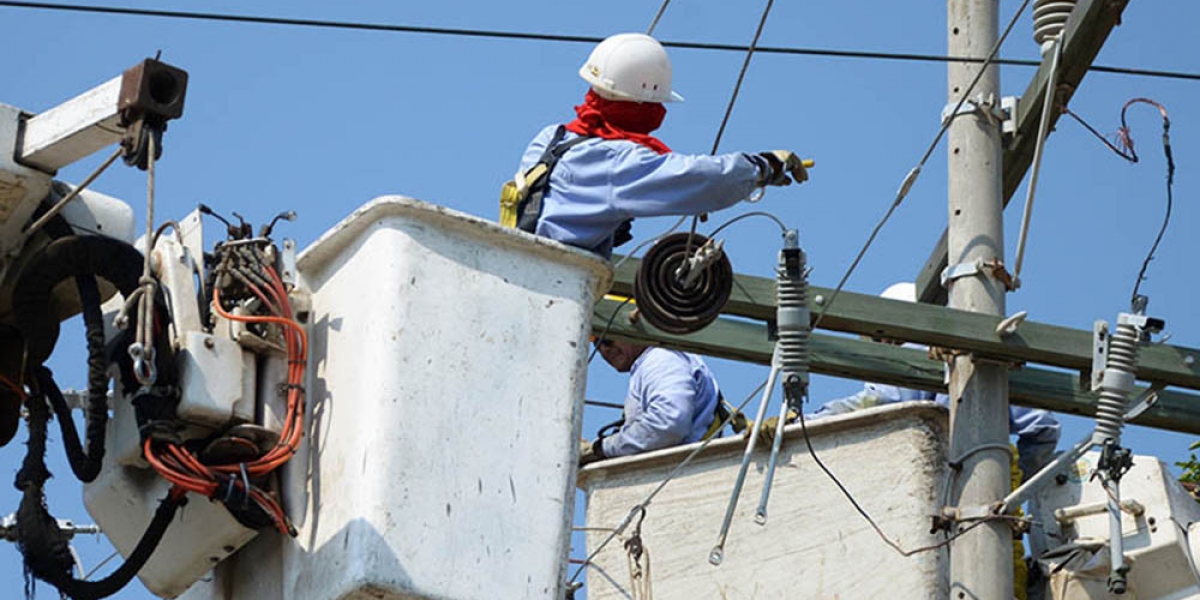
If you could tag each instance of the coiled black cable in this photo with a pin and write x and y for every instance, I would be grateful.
(666, 301)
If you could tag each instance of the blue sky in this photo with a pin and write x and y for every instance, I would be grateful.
(322, 121)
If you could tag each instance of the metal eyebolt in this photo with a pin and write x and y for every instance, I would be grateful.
(143, 364)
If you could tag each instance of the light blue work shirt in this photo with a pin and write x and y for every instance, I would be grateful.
(672, 400)
(1037, 431)
(598, 184)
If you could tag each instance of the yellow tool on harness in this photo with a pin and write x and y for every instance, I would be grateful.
(515, 191)
(521, 198)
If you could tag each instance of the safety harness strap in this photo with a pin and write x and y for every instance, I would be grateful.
(530, 208)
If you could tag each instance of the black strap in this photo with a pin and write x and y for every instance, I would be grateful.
(722, 412)
(530, 209)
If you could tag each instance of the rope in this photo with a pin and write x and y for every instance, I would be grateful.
(145, 319)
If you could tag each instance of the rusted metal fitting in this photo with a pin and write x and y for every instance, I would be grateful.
(152, 93)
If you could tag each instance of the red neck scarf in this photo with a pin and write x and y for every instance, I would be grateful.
(619, 120)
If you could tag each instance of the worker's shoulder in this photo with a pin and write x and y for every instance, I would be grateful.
(664, 358)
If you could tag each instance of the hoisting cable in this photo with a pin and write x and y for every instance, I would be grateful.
(641, 506)
(1127, 152)
(654, 23)
(1039, 146)
(911, 178)
(58, 206)
(142, 350)
(737, 87)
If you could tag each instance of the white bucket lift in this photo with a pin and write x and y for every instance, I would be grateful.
(815, 545)
(1158, 525)
(447, 366)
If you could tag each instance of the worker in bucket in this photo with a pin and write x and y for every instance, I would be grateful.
(582, 182)
(673, 399)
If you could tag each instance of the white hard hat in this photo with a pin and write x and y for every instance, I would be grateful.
(630, 66)
(905, 291)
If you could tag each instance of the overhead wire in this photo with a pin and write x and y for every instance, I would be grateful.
(516, 35)
(1127, 151)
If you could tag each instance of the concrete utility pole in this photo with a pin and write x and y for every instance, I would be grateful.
(981, 560)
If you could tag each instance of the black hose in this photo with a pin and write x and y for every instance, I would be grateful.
(114, 260)
(118, 579)
(45, 547)
(85, 465)
(12, 358)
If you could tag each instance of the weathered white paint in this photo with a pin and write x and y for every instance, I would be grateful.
(215, 375)
(21, 187)
(1157, 545)
(74, 129)
(123, 500)
(814, 545)
(447, 368)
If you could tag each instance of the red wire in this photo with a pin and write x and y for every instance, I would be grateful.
(10, 384)
(185, 471)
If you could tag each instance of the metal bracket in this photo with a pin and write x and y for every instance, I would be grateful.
(1099, 352)
(1142, 403)
(692, 267)
(952, 272)
(994, 267)
(287, 259)
(964, 514)
(981, 105)
(1009, 105)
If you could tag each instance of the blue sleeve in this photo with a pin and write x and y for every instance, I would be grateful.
(665, 394)
(864, 399)
(1033, 426)
(648, 184)
(872, 394)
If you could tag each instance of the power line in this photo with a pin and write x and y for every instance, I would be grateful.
(548, 37)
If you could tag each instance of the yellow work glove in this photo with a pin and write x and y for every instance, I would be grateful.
(784, 163)
(766, 430)
(590, 452)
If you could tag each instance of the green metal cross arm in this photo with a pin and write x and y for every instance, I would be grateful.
(846, 357)
(936, 326)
